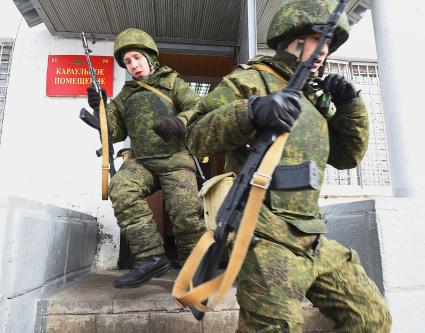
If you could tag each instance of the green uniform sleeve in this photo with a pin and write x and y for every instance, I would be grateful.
(222, 123)
(348, 135)
(116, 127)
(186, 101)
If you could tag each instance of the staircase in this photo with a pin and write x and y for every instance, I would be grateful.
(92, 305)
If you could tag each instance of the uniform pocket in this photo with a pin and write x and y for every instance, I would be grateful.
(277, 230)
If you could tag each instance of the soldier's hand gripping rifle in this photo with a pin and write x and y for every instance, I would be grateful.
(99, 123)
(198, 279)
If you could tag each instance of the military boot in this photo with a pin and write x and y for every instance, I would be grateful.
(143, 270)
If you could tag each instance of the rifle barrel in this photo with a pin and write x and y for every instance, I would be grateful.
(89, 64)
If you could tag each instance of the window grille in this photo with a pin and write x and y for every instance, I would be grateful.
(374, 168)
(6, 50)
(200, 88)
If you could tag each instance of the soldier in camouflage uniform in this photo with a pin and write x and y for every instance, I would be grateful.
(294, 259)
(156, 126)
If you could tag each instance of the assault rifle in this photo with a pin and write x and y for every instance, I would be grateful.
(93, 120)
(231, 211)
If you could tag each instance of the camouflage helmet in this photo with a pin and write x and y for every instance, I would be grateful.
(297, 17)
(133, 39)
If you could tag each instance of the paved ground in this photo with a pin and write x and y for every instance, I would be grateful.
(92, 305)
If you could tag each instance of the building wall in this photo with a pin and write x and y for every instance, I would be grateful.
(10, 18)
(48, 152)
(361, 43)
(42, 247)
(388, 235)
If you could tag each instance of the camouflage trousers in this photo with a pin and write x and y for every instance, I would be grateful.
(277, 276)
(136, 180)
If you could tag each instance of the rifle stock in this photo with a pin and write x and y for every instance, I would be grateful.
(89, 119)
(92, 121)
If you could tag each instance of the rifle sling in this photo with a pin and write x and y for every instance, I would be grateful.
(105, 140)
(183, 290)
(265, 68)
(156, 91)
(169, 100)
(105, 148)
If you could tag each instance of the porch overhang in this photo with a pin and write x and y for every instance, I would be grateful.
(182, 26)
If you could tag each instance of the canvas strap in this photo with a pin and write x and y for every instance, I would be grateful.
(104, 136)
(264, 68)
(105, 148)
(156, 91)
(183, 291)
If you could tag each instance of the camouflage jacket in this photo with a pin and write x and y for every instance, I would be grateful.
(223, 127)
(135, 109)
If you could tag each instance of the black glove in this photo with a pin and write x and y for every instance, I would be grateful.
(342, 90)
(169, 126)
(94, 98)
(278, 110)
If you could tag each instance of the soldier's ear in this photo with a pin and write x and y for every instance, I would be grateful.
(282, 45)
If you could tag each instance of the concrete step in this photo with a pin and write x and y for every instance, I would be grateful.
(92, 305)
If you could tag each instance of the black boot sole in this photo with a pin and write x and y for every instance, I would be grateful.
(157, 273)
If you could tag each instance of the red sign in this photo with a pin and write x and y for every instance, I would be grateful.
(68, 75)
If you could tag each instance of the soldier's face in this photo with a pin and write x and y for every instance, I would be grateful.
(137, 64)
(310, 43)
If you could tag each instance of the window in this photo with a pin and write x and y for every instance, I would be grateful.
(374, 168)
(200, 88)
(6, 49)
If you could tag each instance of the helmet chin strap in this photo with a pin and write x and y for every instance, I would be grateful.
(299, 48)
(152, 66)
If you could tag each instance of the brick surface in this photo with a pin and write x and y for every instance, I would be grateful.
(354, 225)
(123, 323)
(75, 248)
(90, 243)
(149, 308)
(20, 312)
(223, 322)
(155, 296)
(34, 245)
(402, 231)
(29, 251)
(71, 324)
(174, 322)
(79, 216)
(57, 250)
(91, 294)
